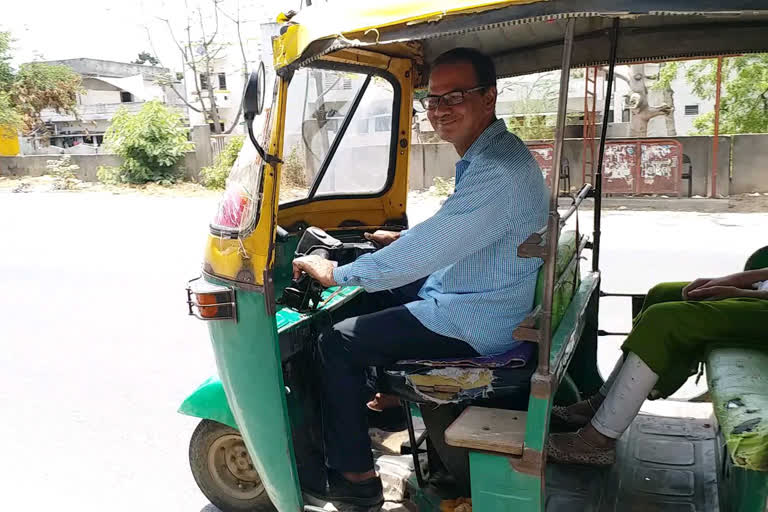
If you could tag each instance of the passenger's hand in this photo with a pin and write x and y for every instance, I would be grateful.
(708, 292)
(741, 280)
(694, 285)
(382, 237)
(318, 268)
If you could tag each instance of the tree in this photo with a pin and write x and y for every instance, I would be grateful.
(642, 111)
(201, 45)
(534, 102)
(39, 86)
(744, 97)
(668, 71)
(152, 142)
(35, 87)
(6, 72)
(145, 57)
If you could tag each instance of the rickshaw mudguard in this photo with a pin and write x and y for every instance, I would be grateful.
(209, 401)
(248, 362)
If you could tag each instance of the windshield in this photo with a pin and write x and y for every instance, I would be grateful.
(338, 134)
(238, 206)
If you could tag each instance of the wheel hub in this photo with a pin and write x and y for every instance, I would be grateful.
(232, 468)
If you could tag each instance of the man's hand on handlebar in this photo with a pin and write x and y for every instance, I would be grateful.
(316, 267)
(382, 237)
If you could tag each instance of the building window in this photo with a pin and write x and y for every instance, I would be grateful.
(625, 115)
(126, 97)
(222, 80)
(203, 80)
(383, 123)
(611, 116)
(691, 110)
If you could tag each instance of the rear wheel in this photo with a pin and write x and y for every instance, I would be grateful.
(224, 471)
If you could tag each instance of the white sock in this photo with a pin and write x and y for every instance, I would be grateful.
(631, 386)
(612, 377)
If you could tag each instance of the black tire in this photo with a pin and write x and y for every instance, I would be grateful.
(223, 469)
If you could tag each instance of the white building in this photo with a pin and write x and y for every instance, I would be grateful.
(107, 85)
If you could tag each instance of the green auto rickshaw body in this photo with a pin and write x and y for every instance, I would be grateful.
(255, 391)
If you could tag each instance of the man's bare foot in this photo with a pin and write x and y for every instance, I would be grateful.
(381, 401)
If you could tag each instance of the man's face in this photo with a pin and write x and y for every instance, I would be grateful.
(462, 123)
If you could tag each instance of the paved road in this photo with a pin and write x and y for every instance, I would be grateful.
(97, 350)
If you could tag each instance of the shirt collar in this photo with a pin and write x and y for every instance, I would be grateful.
(485, 138)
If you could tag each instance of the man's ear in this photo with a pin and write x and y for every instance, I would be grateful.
(489, 98)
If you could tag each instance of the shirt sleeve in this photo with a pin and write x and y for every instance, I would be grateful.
(475, 216)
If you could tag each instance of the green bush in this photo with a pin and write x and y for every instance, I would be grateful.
(293, 171)
(443, 187)
(109, 175)
(215, 176)
(63, 171)
(151, 142)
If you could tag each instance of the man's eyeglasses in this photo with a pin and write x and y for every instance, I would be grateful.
(448, 99)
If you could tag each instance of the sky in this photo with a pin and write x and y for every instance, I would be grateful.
(108, 29)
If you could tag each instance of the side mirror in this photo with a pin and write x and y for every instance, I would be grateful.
(253, 104)
(253, 101)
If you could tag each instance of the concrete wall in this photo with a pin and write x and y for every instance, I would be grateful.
(430, 160)
(750, 164)
(35, 165)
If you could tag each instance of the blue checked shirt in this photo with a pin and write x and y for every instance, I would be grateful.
(478, 290)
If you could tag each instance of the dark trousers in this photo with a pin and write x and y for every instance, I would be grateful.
(378, 331)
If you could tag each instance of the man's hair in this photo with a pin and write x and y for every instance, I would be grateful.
(485, 69)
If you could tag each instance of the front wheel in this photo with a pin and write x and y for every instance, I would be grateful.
(224, 471)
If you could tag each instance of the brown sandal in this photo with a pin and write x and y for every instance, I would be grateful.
(572, 448)
(564, 421)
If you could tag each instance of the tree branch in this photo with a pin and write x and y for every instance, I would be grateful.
(170, 80)
(245, 67)
(621, 77)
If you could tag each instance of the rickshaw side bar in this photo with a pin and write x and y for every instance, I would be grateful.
(597, 180)
(553, 224)
(527, 330)
(583, 194)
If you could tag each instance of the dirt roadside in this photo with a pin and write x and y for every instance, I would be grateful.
(742, 203)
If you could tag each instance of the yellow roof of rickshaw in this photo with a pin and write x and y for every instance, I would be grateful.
(348, 17)
(524, 36)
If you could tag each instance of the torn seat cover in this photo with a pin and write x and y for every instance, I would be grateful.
(738, 380)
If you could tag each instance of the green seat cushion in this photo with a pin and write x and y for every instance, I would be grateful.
(566, 248)
(759, 259)
(738, 381)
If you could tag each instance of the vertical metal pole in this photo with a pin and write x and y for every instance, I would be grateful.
(716, 141)
(553, 222)
(597, 182)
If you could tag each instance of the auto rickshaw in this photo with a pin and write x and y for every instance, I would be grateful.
(342, 107)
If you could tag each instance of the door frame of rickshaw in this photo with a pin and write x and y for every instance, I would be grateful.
(364, 211)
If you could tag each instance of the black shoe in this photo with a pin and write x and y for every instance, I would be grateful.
(368, 493)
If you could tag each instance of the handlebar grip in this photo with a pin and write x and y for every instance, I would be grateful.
(323, 253)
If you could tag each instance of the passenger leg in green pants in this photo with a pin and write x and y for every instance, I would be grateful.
(677, 323)
(670, 335)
